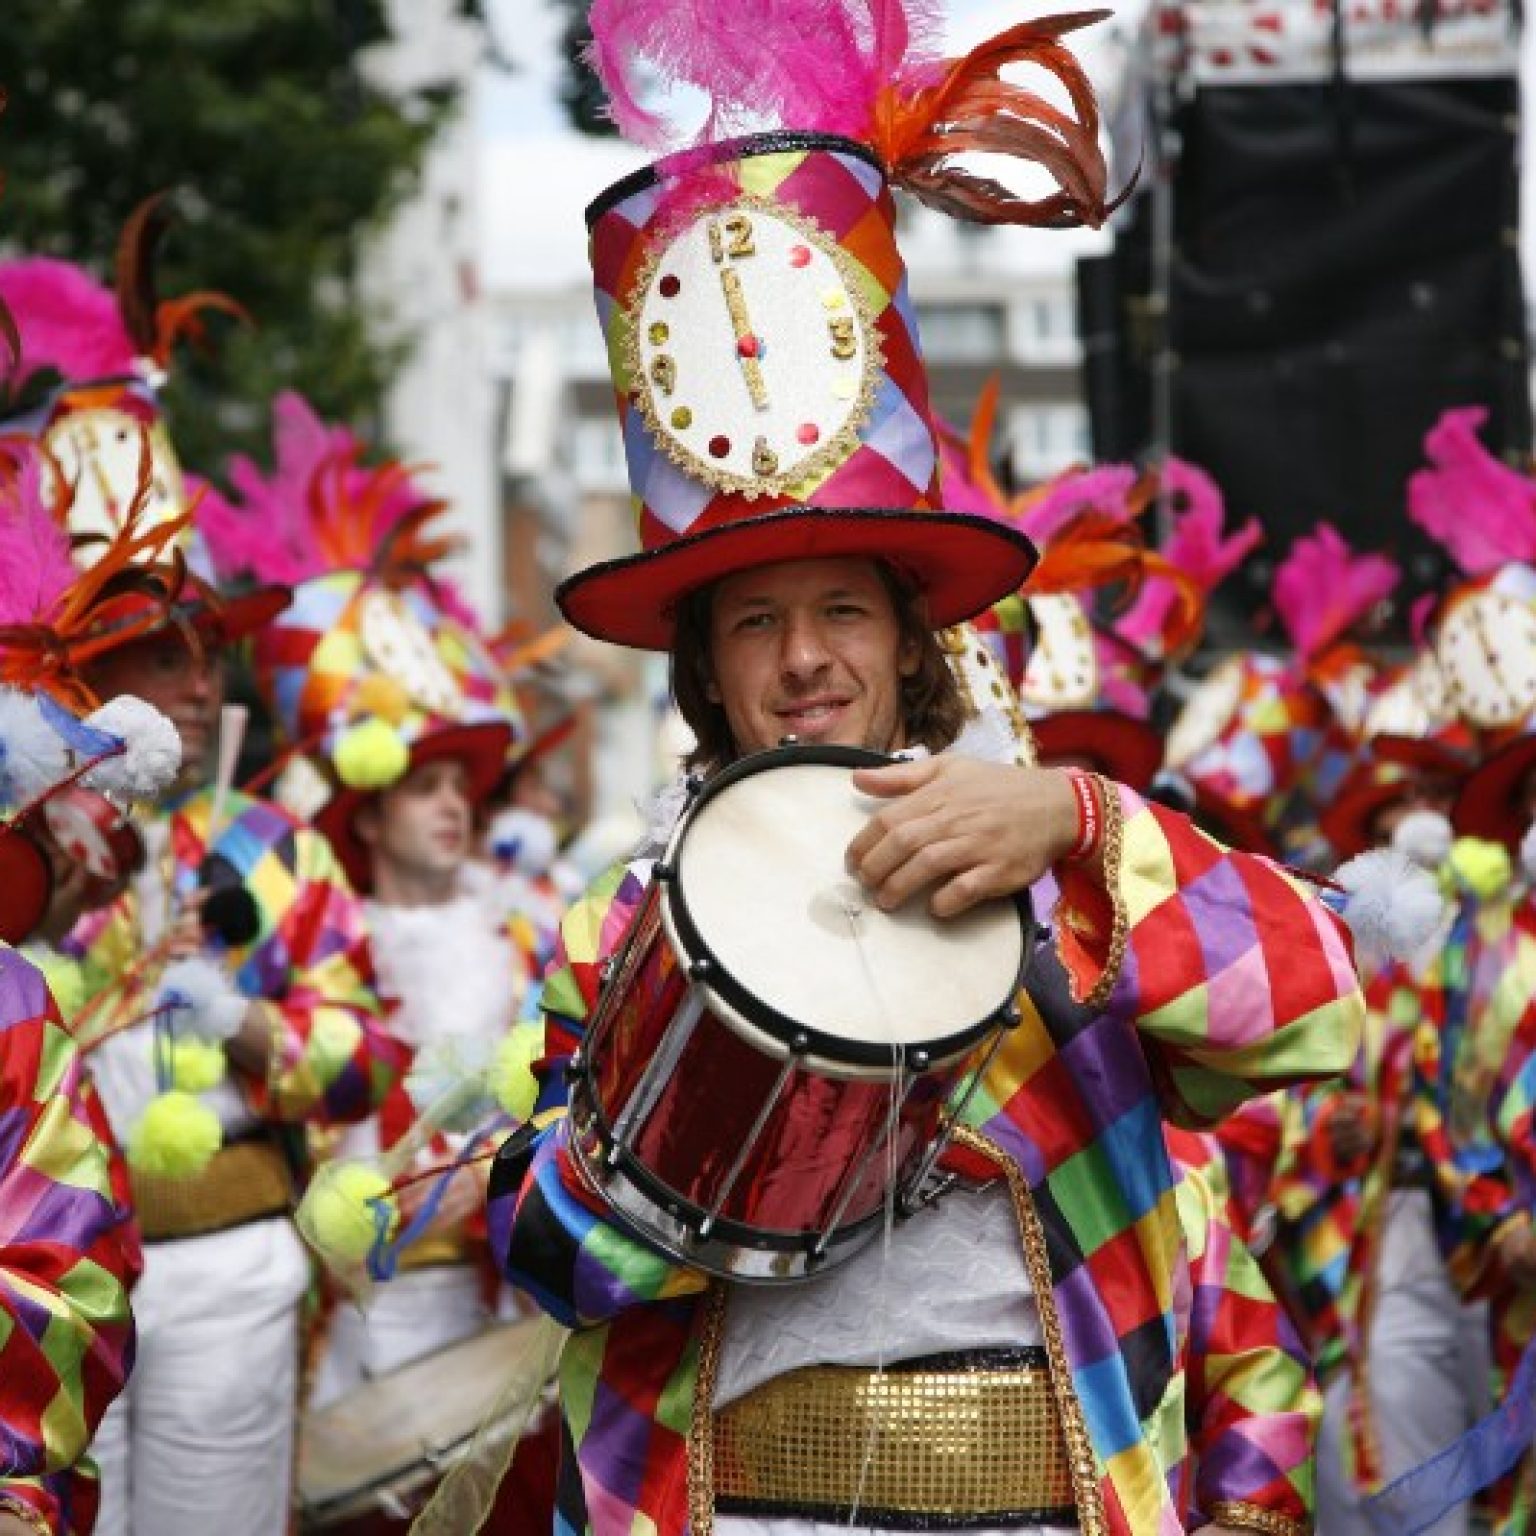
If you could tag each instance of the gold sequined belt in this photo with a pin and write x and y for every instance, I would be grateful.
(243, 1182)
(950, 1442)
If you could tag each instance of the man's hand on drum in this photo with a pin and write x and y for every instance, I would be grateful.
(967, 831)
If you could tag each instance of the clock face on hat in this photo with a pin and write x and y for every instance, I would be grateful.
(752, 355)
(1063, 667)
(1417, 704)
(1206, 713)
(399, 645)
(1487, 649)
(99, 453)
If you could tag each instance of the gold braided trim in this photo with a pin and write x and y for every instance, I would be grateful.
(1089, 1498)
(24, 1512)
(701, 1424)
(983, 1442)
(1114, 851)
(1253, 1517)
(241, 1183)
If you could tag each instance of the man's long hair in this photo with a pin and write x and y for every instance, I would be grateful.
(932, 707)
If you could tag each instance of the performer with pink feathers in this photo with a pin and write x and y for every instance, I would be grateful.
(225, 995)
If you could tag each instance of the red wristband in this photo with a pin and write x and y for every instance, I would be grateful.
(1090, 817)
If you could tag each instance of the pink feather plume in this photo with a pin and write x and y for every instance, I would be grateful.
(35, 565)
(1479, 510)
(1104, 489)
(1322, 589)
(68, 321)
(805, 64)
(1195, 544)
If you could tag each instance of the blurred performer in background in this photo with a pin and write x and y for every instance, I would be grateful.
(1035, 1322)
(69, 1250)
(401, 724)
(286, 1029)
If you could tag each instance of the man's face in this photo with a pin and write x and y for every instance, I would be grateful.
(186, 687)
(811, 649)
(422, 827)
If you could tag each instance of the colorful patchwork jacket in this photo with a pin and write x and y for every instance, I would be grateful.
(1190, 979)
(333, 1059)
(68, 1254)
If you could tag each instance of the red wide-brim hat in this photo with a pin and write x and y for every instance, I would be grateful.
(960, 564)
(1397, 766)
(481, 748)
(1489, 803)
(1234, 825)
(1119, 746)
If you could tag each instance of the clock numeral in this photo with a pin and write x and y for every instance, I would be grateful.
(764, 460)
(735, 241)
(845, 342)
(738, 230)
(664, 373)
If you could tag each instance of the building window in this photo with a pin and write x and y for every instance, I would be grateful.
(962, 333)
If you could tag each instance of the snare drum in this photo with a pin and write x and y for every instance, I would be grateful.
(369, 1462)
(773, 1059)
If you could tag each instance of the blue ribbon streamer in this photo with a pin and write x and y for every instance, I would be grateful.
(82, 739)
(384, 1256)
(1416, 1500)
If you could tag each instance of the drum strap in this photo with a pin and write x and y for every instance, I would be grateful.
(959, 1442)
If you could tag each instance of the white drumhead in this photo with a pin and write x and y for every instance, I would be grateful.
(760, 870)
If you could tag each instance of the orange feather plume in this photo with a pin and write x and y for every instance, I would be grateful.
(971, 109)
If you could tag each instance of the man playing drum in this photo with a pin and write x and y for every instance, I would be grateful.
(1015, 1354)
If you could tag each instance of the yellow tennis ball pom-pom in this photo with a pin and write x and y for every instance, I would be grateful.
(63, 977)
(176, 1136)
(371, 756)
(337, 1212)
(379, 694)
(1480, 866)
(197, 1065)
(513, 1084)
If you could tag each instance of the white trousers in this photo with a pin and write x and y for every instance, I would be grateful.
(415, 1314)
(1429, 1365)
(202, 1439)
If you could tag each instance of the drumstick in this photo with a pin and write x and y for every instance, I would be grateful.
(232, 723)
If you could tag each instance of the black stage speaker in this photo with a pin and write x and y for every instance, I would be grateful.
(1345, 268)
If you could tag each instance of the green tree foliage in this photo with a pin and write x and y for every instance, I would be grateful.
(580, 94)
(279, 156)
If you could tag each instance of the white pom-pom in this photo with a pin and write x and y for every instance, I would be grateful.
(458, 1065)
(205, 1002)
(1528, 853)
(1425, 837)
(151, 755)
(1392, 906)
(32, 756)
(523, 840)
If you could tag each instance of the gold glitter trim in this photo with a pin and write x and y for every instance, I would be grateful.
(28, 1516)
(636, 385)
(966, 1440)
(701, 1423)
(1120, 925)
(1251, 1517)
(1091, 1517)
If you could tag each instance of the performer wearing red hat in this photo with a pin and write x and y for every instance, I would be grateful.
(1017, 1354)
(239, 912)
(401, 724)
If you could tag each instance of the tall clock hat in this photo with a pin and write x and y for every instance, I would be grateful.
(68, 768)
(767, 369)
(376, 666)
(85, 383)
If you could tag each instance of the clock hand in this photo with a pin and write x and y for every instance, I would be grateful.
(741, 323)
(1490, 655)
